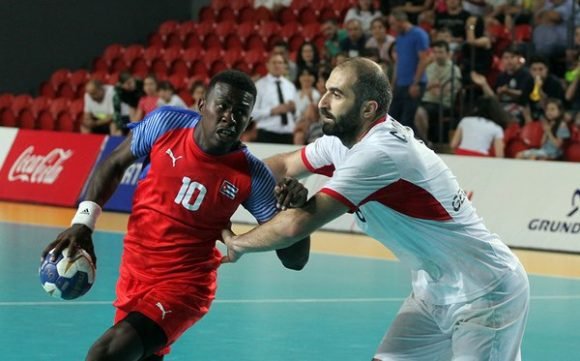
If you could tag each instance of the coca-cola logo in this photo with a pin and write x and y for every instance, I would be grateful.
(33, 168)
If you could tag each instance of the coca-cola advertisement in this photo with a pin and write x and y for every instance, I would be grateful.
(48, 167)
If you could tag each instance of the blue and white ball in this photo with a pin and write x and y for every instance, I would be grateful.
(67, 278)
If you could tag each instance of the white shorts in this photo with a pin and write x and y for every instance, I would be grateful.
(488, 328)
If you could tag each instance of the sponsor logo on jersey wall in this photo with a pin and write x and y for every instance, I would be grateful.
(48, 167)
(568, 222)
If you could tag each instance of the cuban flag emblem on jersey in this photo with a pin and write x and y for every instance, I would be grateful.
(229, 190)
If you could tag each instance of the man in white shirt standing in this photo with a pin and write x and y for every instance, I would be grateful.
(470, 293)
(275, 104)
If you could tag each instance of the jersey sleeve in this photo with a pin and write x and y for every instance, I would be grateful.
(157, 123)
(365, 175)
(317, 156)
(261, 203)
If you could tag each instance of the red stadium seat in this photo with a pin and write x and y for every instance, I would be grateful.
(172, 40)
(140, 68)
(6, 100)
(247, 14)
(255, 42)
(244, 30)
(59, 105)
(511, 132)
(212, 55)
(242, 66)
(287, 15)
(172, 54)
(186, 97)
(310, 31)
(260, 69)
(514, 147)
(133, 52)
(192, 41)
(178, 81)
(212, 41)
(78, 78)
(112, 52)
(328, 13)
(186, 28)
(113, 79)
(100, 76)
(232, 56)
(263, 15)
(155, 40)
(20, 102)
(192, 54)
(199, 68)
(225, 29)
(572, 152)
(66, 123)
(300, 4)
(27, 118)
(47, 90)
(45, 120)
(255, 56)
(206, 14)
(290, 29)
(233, 42)
(7, 118)
(266, 30)
(77, 108)
(118, 65)
(179, 67)
(159, 67)
(204, 28)
(227, 15)
(66, 91)
(59, 77)
(99, 64)
(308, 15)
(532, 134)
(40, 104)
(152, 53)
(168, 27)
(295, 42)
(217, 66)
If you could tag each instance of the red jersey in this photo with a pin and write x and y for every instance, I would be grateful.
(185, 197)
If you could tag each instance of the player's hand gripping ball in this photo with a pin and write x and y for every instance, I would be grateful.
(67, 278)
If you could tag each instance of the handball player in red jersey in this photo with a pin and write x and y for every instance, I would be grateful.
(195, 176)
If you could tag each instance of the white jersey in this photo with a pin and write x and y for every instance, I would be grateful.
(407, 198)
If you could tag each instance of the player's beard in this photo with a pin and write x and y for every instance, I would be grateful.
(344, 126)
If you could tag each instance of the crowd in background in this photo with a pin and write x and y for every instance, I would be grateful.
(445, 59)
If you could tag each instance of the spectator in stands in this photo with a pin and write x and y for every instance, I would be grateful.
(550, 31)
(476, 7)
(307, 57)
(454, 19)
(275, 105)
(508, 12)
(510, 85)
(555, 133)
(439, 93)
(412, 59)
(333, 36)
(380, 39)
(274, 5)
(543, 86)
(339, 59)
(128, 92)
(413, 8)
(482, 131)
(281, 48)
(323, 74)
(306, 105)
(356, 40)
(99, 110)
(364, 12)
(477, 55)
(148, 102)
(197, 91)
(168, 97)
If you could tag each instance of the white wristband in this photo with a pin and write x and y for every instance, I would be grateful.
(87, 214)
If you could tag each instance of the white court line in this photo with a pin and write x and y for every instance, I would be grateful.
(262, 301)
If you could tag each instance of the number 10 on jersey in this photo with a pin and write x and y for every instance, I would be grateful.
(186, 193)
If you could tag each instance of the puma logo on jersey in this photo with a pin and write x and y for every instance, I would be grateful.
(173, 158)
(163, 312)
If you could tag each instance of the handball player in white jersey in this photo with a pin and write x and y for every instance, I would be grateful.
(470, 294)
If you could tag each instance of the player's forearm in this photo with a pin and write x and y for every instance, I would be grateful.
(281, 232)
(104, 182)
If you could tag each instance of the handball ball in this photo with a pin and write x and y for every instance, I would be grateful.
(67, 278)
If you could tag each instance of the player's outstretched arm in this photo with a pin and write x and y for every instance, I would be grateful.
(290, 193)
(287, 165)
(285, 229)
(102, 184)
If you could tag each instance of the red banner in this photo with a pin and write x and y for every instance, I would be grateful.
(48, 167)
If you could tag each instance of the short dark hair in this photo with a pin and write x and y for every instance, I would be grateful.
(539, 59)
(513, 49)
(441, 44)
(165, 85)
(371, 83)
(236, 79)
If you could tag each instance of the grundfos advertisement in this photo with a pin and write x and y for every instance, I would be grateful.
(44, 168)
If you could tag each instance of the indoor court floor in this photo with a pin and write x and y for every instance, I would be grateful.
(337, 308)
